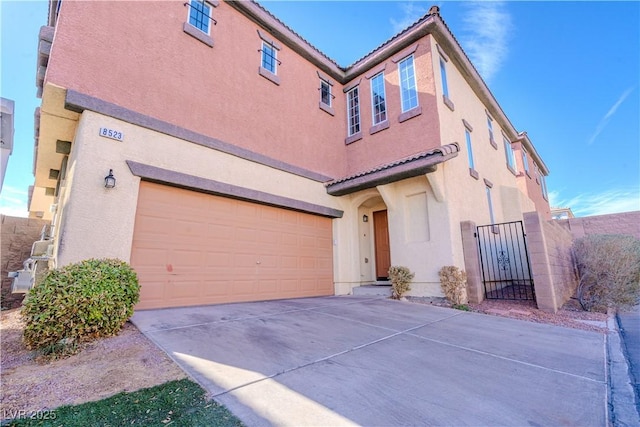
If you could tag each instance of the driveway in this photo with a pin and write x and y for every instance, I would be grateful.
(373, 361)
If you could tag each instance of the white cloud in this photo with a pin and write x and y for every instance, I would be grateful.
(605, 120)
(411, 12)
(607, 202)
(485, 36)
(13, 202)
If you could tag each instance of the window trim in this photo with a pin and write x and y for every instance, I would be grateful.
(324, 83)
(401, 83)
(264, 55)
(207, 15)
(470, 158)
(444, 83)
(196, 32)
(372, 82)
(543, 184)
(525, 162)
(510, 156)
(350, 131)
(265, 72)
(492, 139)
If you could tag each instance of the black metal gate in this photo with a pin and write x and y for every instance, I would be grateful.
(506, 273)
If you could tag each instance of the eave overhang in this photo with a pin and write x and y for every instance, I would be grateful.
(409, 167)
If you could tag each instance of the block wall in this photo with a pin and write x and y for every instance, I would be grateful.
(620, 223)
(16, 238)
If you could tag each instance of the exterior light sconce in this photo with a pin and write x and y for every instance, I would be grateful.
(365, 218)
(109, 180)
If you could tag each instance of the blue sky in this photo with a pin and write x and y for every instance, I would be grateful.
(568, 73)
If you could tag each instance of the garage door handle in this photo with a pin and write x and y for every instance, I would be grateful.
(258, 262)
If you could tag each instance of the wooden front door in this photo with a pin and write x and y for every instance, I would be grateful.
(383, 250)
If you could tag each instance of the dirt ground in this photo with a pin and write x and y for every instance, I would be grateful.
(569, 316)
(126, 362)
(129, 361)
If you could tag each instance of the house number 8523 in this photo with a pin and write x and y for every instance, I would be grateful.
(110, 133)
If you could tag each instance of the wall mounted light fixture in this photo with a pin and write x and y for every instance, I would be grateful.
(365, 218)
(109, 180)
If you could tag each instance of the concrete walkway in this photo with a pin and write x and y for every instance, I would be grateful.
(374, 361)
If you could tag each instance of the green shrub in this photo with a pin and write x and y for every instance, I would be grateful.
(609, 271)
(400, 280)
(453, 282)
(79, 302)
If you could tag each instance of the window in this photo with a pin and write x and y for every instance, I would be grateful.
(490, 202)
(511, 158)
(490, 127)
(353, 111)
(408, 92)
(525, 161)
(543, 182)
(325, 93)
(467, 135)
(199, 13)
(443, 75)
(378, 102)
(269, 57)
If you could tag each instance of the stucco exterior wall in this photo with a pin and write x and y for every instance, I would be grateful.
(103, 219)
(399, 139)
(465, 194)
(528, 182)
(119, 52)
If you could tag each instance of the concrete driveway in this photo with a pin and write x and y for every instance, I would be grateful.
(373, 361)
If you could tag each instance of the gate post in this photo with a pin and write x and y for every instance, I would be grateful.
(543, 277)
(475, 289)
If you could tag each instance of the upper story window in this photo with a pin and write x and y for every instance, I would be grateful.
(442, 61)
(199, 15)
(511, 157)
(408, 91)
(472, 164)
(269, 57)
(378, 99)
(353, 111)
(199, 20)
(543, 183)
(490, 128)
(325, 93)
(525, 161)
(443, 75)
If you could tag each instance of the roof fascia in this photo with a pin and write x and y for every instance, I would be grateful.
(523, 138)
(433, 24)
(390, 48)
(288, 37)
(450, 45)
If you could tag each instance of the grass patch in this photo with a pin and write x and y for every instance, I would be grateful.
(175, 403)
(463, 307)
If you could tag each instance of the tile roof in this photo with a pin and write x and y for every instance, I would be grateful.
(445, 151)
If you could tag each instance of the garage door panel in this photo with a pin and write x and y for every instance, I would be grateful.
(184, 289)
(191, 248)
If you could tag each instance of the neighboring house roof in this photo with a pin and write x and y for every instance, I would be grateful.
(408, 167)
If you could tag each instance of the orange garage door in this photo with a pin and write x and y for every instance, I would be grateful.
(191, 248)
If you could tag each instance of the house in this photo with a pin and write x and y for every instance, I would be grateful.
(227, 159)
(6, 135)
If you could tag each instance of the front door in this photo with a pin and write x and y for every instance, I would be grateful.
(383, 250)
